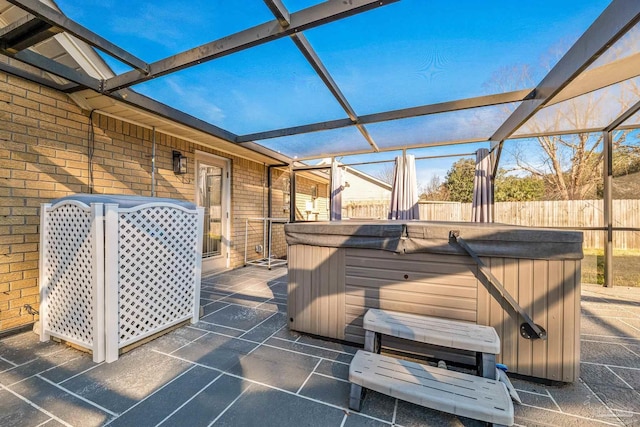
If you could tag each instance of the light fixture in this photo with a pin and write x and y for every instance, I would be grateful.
(179, 163)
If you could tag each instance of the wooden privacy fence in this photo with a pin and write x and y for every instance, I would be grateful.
(550, 213)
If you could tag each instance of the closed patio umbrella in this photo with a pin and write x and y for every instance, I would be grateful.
(404, 193)
(482, 206)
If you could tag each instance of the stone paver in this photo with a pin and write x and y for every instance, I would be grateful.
(242, 366)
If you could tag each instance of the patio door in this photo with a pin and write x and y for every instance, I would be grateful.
(213, 193)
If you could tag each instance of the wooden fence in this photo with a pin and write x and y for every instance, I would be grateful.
(561, 213)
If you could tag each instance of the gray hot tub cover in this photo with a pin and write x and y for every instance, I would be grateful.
(486, 239)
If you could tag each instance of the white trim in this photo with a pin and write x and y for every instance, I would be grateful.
(226, 163)
(97, 231)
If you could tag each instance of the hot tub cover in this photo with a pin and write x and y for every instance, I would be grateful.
(486, 239)
(123, 200)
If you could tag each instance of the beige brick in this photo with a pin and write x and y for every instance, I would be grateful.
(52, 143)
(43, 117)
(12, 220)
(14, 127)
(24, 157)
(23, 192)
(8, 314)
(41, 167)
(71, 124)
(13, 146)
(12, 183)
(24, 175)
(24, 229)
(24, 247)
(70, 155)
(27, 103)
(20, 82)
(21, 266)
(21, 284)
(41, 99)
(8, 295)
(32, 220)
(30, 291)
(25, 211)
(32, 256)
(20, 302)
(15, 322)
(29, 274)
(12, 89)
(8, 277)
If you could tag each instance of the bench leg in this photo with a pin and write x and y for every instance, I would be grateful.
(486, 363)
(372, 341)
(355, 397)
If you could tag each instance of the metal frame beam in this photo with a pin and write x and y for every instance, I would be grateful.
(8, 68)
(607, 169)
(612, 24)
(390, 149)
(25, 32)
(599, 78)
(279, 11)
(135, 99)
(405, 113)
(303, 20)
(623, 117)
(57, 19)
(50, 66)
(312, 57)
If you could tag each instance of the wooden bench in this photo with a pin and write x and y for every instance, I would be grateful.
(440, 389)
(483, 340)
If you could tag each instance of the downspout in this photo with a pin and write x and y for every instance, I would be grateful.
(153, 161)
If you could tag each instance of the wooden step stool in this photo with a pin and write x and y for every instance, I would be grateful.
(483, 340)
(440, 389)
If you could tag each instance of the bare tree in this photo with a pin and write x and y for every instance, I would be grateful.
(569, 164)
(434, 190)
(386, 174)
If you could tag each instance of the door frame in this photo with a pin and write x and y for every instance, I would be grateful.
(221, 262)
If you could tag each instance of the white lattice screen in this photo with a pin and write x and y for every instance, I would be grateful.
(68, 274)
(110, 277)
(156, 272)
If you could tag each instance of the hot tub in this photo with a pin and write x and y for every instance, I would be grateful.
(337, 270)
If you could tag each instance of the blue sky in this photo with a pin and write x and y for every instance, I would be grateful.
(405, 54)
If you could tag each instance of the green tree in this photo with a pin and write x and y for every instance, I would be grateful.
(458, 182)
(458, 185)
(518, 189)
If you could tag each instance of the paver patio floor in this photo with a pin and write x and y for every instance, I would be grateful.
(241, 366)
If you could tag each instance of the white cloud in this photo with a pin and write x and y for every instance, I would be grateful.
(196, 100)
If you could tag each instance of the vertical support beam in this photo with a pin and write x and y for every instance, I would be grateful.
(607, 169)
(292, 194)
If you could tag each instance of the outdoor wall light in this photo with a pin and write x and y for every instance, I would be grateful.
(179, 163)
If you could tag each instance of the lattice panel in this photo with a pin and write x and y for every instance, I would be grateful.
(157, 256)
(69, 273)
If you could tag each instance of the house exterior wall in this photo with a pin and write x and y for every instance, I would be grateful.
(361, 189)
(44, 154)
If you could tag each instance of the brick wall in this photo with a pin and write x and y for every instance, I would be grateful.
(44, 154)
